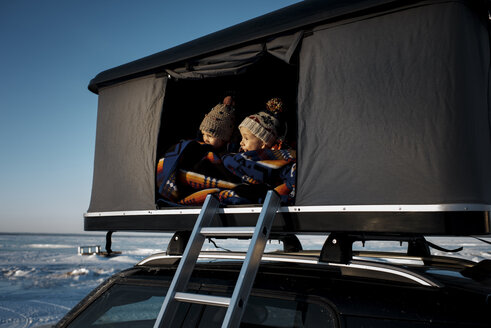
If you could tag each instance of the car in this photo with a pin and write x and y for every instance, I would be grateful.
(298, 288)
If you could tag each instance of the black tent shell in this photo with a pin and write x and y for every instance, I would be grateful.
(391, 101)
(298, 16)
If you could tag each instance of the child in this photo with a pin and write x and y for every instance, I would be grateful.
(218, 125)
(263, 164)
(262, 130)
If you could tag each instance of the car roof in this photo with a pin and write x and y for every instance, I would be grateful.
(433, 271)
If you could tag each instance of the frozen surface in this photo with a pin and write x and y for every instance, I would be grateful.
(42, 276)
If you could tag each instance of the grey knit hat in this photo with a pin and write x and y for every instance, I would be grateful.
(265, 125)
(219, 122)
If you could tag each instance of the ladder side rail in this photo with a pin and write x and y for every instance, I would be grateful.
(186, 265)
(252, 260)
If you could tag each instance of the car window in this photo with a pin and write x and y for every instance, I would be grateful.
(265, 312)
(138, 311)
(138, 306)
(123, 306)
(273, 312)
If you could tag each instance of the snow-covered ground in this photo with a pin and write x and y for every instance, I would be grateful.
(42, 276)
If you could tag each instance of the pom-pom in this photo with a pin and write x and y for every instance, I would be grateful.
(275, 105)
(229, 101)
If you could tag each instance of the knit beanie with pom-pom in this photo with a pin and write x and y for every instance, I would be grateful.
(265, 125)
(219, 122)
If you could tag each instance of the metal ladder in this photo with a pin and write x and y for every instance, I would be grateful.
(235, 304)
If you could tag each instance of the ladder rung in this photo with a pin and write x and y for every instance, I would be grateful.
(228, 231)
(203, 299)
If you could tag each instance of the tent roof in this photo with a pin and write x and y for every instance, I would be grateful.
(287, 19)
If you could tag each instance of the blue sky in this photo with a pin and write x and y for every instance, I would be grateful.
(49, 52)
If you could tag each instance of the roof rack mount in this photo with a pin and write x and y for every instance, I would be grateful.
(338, 247)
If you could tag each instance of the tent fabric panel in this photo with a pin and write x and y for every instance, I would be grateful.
(127, 128)
(226, 63)
(387, 117)
(284, 47)
(236, 61)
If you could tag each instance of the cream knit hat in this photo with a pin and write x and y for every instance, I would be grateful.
(219, 122)
(265, 125)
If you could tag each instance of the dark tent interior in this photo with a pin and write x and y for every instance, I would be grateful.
(187, 101)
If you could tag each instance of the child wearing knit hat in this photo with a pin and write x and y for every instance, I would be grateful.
(218, 125)
(262, 130)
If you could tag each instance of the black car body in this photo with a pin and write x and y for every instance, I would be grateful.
(298, 290)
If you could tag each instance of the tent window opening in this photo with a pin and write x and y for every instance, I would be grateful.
(237, 171)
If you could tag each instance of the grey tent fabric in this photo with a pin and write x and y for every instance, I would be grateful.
(226, 63)
(284, 47)
(127, 127)
(237, 60)
(393, 109)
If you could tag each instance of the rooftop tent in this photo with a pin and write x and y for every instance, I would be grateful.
(390, 102)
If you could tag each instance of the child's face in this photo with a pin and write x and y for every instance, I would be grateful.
(249, 141)
(214, 142)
